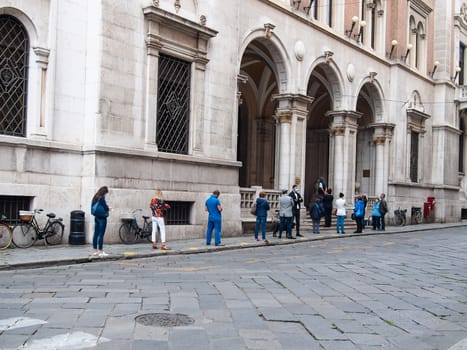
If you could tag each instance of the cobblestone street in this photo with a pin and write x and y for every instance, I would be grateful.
(404, 291)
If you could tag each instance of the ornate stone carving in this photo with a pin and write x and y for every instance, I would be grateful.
(299, 50)
(203, 20)
(268, 28)
(177, 5)
(155, 3)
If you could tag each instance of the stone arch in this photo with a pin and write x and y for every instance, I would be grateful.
(263, 71)
(279, 57)
(28, 24)
(371, 91)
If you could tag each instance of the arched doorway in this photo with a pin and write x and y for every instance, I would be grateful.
(317, 131)
(365, 150)
(256, 147)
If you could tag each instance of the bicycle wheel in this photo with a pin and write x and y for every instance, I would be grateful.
(6, 236)
(24, 235)
(417, 217)
(148, 232)
(127, 233)
(54, 234)
(398, 221)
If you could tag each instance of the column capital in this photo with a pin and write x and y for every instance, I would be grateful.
(338, 130)
(297, 104)
(284, 116)
(382, 131)
(344, 119)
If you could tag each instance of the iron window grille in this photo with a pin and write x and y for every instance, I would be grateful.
(11, 205)
(179, 213)
(14, 58)
(414, 157)
(173, 105)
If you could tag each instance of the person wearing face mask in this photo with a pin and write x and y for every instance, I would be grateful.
(297, 199)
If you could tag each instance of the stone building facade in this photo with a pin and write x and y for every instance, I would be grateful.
(189, 96)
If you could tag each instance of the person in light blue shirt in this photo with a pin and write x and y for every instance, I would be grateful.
(214, 208)
(359, 211)
(376, 216)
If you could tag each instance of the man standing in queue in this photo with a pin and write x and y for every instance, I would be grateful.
(214, 208)
(297, 199)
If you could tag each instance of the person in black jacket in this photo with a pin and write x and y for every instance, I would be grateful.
(327, 204)
(297, 199)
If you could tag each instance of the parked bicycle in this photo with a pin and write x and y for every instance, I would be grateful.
(28, 231)
(130, 231)
(6, 233)
(400, 217)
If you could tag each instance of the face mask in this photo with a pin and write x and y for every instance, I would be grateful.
(297, 190)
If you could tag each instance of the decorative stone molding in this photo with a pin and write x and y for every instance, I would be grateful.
(294, 103)
(328, 56)
(338, 131)
(416, 120)
(420, 7)
(299, 50)
(177, 5)
(164, 29)
(268, 30)
(42, 56)
(203, 20)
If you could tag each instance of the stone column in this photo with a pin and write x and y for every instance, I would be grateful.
(344, 133)
(382, 138)
(285, 119)
(291, 113)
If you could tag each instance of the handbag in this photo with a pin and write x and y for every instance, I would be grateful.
(98, 210)
(353, 217)
(253, 209)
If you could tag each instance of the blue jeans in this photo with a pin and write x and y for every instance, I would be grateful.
(340, 223)
(214, 224)
(260, 221)
(99, 229)
(285, 222)
(316, 225)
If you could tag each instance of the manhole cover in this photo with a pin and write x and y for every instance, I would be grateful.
(164, 320)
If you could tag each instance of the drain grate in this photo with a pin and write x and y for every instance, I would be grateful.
(164, 320)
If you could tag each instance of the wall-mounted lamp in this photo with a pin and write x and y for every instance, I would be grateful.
(348, 32)
(296, 3)
(409, 47)
(458, 69)
(359, 36)
(393, 46)
(308, 8)
(372, 76)
(327, 56)
(435, 66)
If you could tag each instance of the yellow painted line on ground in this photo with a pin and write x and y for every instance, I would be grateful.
(244, 243)
(129, 253)
(193, 248)
(389, 243)
(187, 269)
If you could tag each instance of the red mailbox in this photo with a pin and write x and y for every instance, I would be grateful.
(428, 206)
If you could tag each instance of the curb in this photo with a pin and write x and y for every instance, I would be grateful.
(213, 249)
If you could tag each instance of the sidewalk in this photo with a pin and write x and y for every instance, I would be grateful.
(41, 256)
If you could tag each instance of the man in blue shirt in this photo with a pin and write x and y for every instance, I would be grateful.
(213, 206)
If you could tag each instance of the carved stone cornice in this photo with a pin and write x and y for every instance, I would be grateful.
(416, 120)
(421, 7)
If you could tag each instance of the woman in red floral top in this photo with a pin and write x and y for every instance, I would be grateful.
(158, 207)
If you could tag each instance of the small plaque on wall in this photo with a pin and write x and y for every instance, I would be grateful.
(297, 180)
(366, 172)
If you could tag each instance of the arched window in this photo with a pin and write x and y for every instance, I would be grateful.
(413, 41)
(420, 52)
(14, 57)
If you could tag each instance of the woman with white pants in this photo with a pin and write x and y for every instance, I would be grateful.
(158, 208)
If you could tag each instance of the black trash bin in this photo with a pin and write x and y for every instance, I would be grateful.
(77, 235)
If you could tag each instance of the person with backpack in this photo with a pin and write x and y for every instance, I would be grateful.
(100, 210)
(376, 215)
(316, 213)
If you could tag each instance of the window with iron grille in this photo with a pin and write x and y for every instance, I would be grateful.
(11, 205)
(173, 105)
(179, 213)
(14, 57)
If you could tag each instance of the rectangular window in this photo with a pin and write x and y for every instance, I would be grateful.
(179, 213)
(414, 156)
(329, 13)
(173, 105)
(11, 205)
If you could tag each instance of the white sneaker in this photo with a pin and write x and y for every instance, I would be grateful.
(103, 254)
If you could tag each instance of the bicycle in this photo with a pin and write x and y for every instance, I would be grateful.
(28, 232)
(400, 217)
(130, 231)
(6, 233)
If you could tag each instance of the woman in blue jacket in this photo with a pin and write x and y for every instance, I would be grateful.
(100, 210)
(359, 211)
(262, 207)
